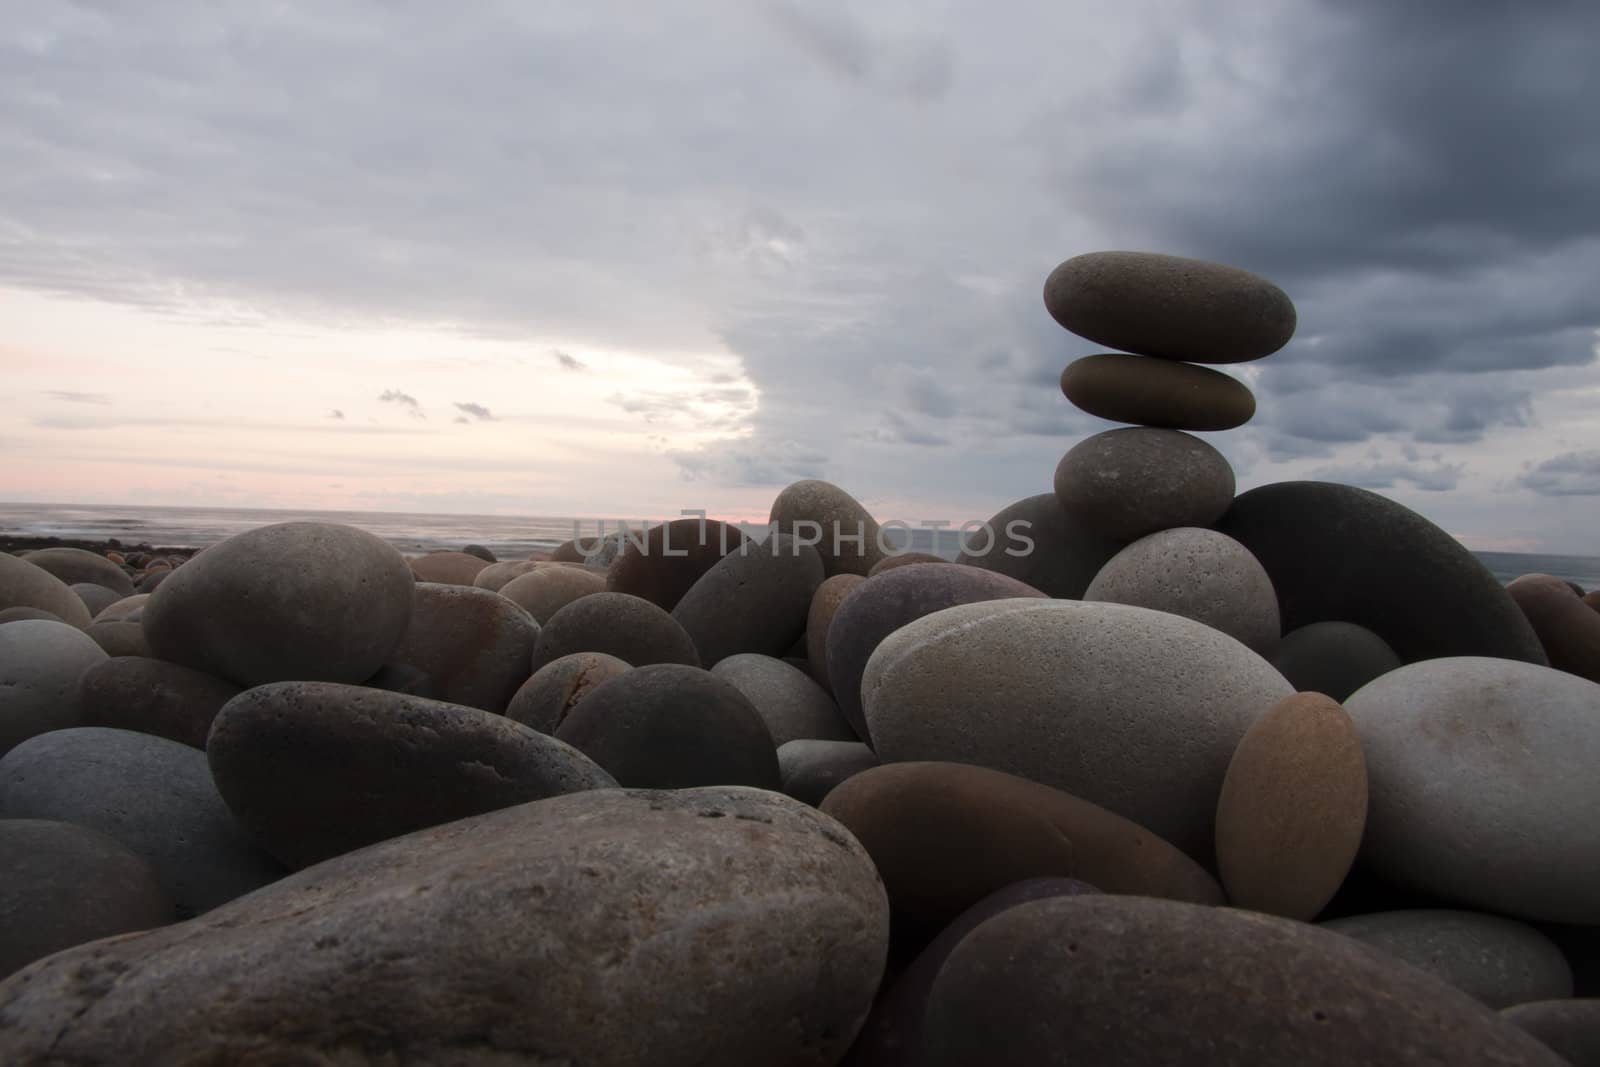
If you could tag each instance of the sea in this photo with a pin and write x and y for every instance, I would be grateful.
(508, 537)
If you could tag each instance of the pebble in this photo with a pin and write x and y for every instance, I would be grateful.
(153, 580)
(1136, 480)
(1333, 658)
(447, 568)
(1498, 961)
(317, 769)
(153, 795)
(846, 535)
(811, 768)
(40, 664)
(946, 835)
(886, 603)
(1157, 392)
(120, 638)
(788, 701)
(77, 565)
(1566, 628)
(767, 930)
(152, 696)
(495, 576)
(670, 726)
(672, 558)
(548, 697)
(1170, 307)
(475, 646)
(819, 618)
(1336, 552)
(95, 597)
(1135, 981)
(1569, 1028)
(1292, 809)
(24, 585)
(297, 601)
(1199, 574)
(628, 627)
(128, 609)
(66, 885)
(548, 589)
(1040, 545)
(1482, 784)
(1137, 711)
(480, 552)
(752, 600)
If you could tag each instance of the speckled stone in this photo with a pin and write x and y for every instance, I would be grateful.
(152, 696)
(23, 585)
(1332, 658)
(1199, 574)
(1292, 809)
(297, 601)
(1568, 630)
(549, 588)
(810, 768)
(846, 535)
(1039, 544)
(754, 916)
(66, 885)
(1497, 961)
(1135, 710)
(75, 565)
(40, 664)
(1170, 307)
(1482, 784)
(669, 726)
(1136, 981)
(754, 599)
(788, 701)
(819, 617)
(447, 568)
(1137, 480)
(548, 697)
(672, 558)
(1157, 392)
(1335, 552)
(315, 769)
(628, 627)
(477, 646)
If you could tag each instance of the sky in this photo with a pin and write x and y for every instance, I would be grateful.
(617, 259)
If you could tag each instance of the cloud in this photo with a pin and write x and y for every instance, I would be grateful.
(567, 361)
(1569, 474)
(336, 414)
(405, 400)
(78, 398)
(477, 411)
(1437, 477)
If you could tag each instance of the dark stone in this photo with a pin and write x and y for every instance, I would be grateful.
(481, 552)
(903, 559)
(153, 580)
(628, 627)
(23, 614)
(447, 568)
(546, 699)
(75, 565)
(819, 618)
(1333, 658)
(475, 645)
(1138, 480)
(23, 585)
(1569, 1028)
(669, 726)
(316, 769)
(1335, 552)
(845, 534)
(1567, 629)
(672, 558)
(879, 607)
(95, 597)
(811, 768)
(1157, 392)
(40, 664)
(152, 696)
(1038, 544)
(153, 795)
(404, 678)
(754, 599)
(121, 638)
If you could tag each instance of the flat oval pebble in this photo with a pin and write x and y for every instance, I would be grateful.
(152, 696)
(1569, 1028)
(1292, 809)
(662, 564)
(754, 599)
(1568, 630)
(1336, 552)
(40, 664)
(811, 769)
(885, 604)
(1157, 392)
(1170, 307)
(1134, 981)
(548, 589)
(548, 697)
(475, 645)
(1497, 961)
(1482, 784)
(66, 885)
(844, 532)
(1199, 574)
(819, 617)
(750, 914)
(316, 769)
(669, 726)
(1040, 545)
(95, 597)
(1137, 711)
(296, 601)
(24, 585)
(153, 795)
(1134, 481)
(628, 627)
(448, 568)
(788, 701)
(75, 565)
(1333, 658)
(946, 835)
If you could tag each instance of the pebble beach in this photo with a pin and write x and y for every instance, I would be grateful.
(1146, 770)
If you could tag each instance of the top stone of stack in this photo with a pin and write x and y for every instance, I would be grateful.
(1169, 307)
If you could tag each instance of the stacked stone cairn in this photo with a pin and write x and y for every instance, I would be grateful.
(1152, 773)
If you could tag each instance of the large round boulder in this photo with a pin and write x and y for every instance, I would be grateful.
(1137, 711)
(24, 585)
(297, 601)
(1332, 658)
(661, 564)
(789, 702)
(845, 534)
(628, 627)
(1567, 628)
(819, 617)
(754, 599)
(78, 565)
(475, 645)
(550, 587)
(152, 696)
(1040, 545)
(1569, 1027)
(41, 663)
(1136, 480)
(95, 597)
(448, 568)
(548, 697)
(811, 769)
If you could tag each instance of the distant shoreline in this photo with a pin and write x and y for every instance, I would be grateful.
(23, 543)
